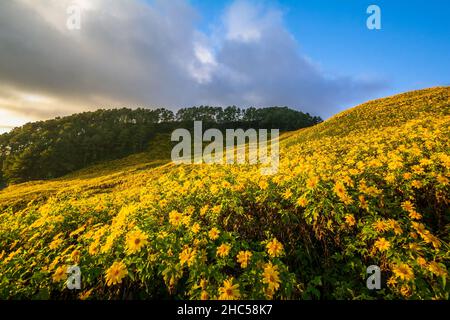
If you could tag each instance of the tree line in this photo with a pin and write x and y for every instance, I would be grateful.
(53, 148)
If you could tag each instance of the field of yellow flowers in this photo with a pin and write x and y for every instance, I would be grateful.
(368, 187)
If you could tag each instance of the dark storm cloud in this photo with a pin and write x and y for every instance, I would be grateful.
(135, 54)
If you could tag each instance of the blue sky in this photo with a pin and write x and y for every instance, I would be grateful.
(316, 56)
(411, 51)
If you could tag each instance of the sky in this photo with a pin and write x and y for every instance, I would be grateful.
(316, 56)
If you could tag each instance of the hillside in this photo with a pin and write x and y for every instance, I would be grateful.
(50, 149)
(369, 186)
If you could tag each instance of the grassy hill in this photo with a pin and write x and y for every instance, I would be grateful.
(369, 186)
(50, 149)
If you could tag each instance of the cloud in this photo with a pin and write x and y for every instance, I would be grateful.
(136, 53)
(266, 67)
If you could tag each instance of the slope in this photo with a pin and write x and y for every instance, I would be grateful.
(367, 187)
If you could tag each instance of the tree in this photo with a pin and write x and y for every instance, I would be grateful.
(52, 148)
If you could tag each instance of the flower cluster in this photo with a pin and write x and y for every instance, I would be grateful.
(369, 186)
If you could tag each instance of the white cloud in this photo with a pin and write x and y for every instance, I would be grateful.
(203, 68)
(133, 53)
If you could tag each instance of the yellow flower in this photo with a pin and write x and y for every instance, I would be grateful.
(403, 271)
(216, 209)
(195, 228)
(390, 178)
(442, 180)
(421, 261)
(418, 169)
(162, 235)
(287, 194)
(302, 202)
(214, 189)
(340, 190)
(407, 176)
(60, 274)
(75, 255)
(420, 228)
(394, 225)
(414, 247)
(348, 181)
(429, 238)
(435, 242)
(405, 290)
(229, 291)
(108, 243)
(187, 256)
(78, 231)
(380, 226)
(437, 269)
(93, 248)
(135, 241)
(203, 210)
(203, 284)
(243, 258)
(425, 162)
(382, 244)
(407, 206)
(186, 220)
(263, 184)
(223, 250)
(189, 210)
(392, 281)
(204, 295)
(116, 273)
(162, 203)
(85, 295)
(55, 243)
(175, 218)
(415, 215)
(213, 233)
(350, 220)
(362, 202)
(312, 182)
(271, 276)
(416, 184)
(13, 245)
(274, 248)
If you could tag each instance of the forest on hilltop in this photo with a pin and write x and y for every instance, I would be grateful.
(53, 148)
